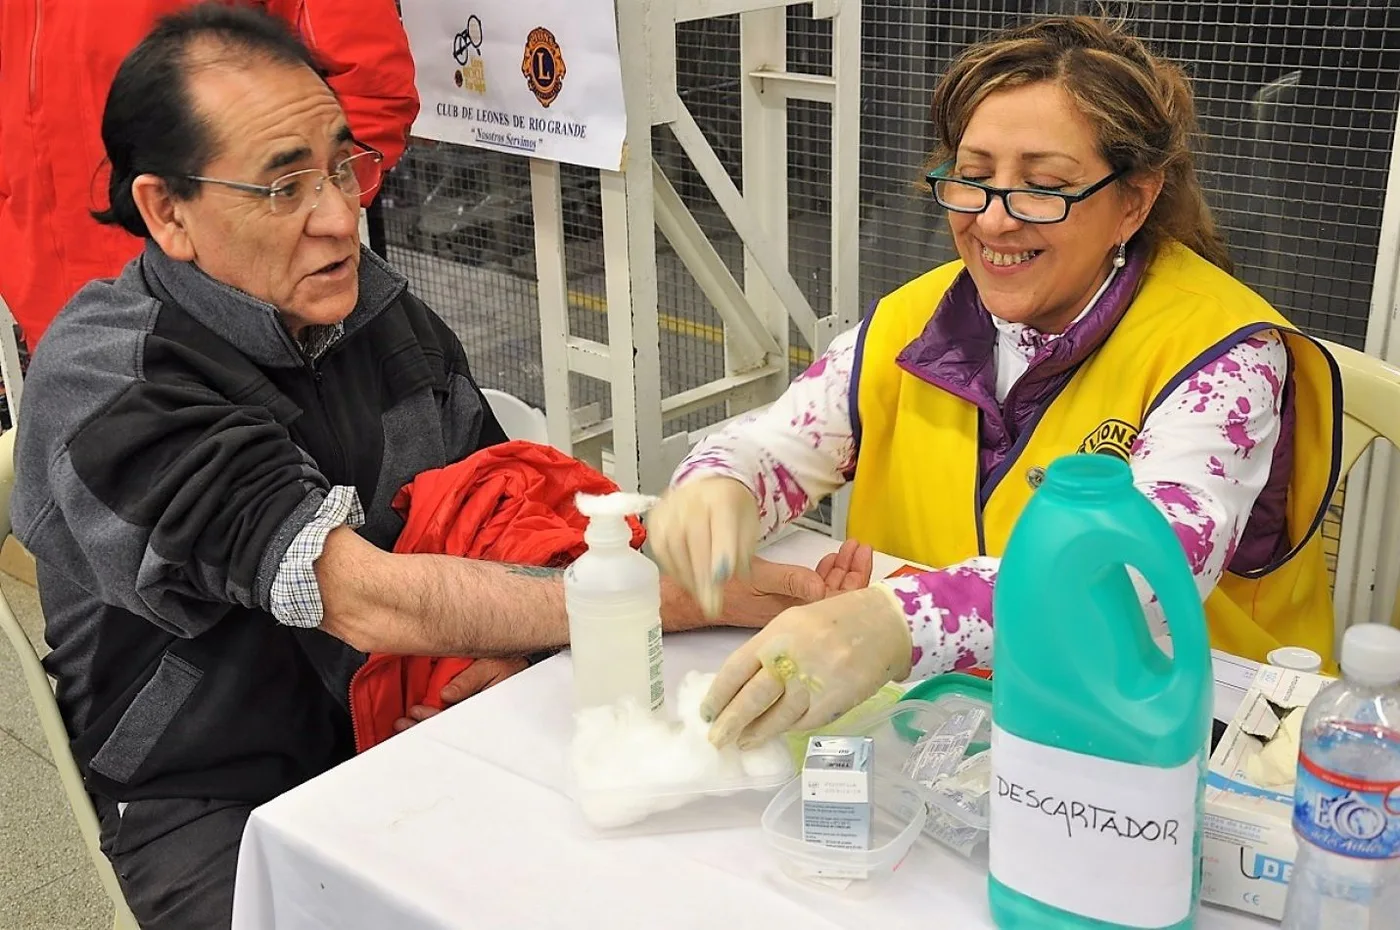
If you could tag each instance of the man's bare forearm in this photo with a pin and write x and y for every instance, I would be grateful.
(436, 604)
(444, 605)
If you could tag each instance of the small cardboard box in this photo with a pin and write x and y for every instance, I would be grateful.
(838, 791)
(1248, 842)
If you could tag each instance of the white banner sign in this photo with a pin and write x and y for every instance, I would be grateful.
(539, 78)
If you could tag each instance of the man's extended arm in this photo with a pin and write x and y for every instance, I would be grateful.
(380, 601)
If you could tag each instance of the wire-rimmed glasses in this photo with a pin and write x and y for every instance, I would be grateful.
(354, 177)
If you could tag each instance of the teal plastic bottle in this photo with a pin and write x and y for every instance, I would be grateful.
(1100, 739)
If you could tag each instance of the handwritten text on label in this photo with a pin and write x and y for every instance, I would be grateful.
(1089, 817)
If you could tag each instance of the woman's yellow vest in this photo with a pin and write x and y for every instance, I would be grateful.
(916, 490)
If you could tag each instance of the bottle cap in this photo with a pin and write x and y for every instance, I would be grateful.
(1371, 654)
(1296, 658)
(1083, 476)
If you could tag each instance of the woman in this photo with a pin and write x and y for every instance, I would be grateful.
(1092, 310)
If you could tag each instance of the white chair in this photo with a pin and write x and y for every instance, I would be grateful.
(41, 692)
(517, 418)
(9, 361)
(1371, 410)
(1370, 401)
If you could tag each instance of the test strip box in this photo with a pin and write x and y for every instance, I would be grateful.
(838, 791)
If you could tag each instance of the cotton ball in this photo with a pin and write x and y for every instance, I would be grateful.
(685, 756)
(689, 697)
(717, 766)
(606, 740)
(771, 760)
(629, 763)
(622, 756)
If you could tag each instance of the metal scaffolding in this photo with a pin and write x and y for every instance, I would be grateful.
(641, 199)
(776, 146)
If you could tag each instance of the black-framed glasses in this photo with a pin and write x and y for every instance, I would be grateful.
(354, 177)
(1029, 205)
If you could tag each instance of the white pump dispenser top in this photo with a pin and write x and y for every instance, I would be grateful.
(607, 516)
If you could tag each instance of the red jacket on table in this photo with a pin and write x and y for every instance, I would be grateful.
(57, 61)
(508, 503)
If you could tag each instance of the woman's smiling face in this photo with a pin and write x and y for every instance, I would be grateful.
(1042, 275)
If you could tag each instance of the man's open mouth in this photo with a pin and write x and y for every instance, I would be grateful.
(333, 267)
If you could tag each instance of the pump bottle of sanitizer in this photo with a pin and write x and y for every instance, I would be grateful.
(613, 597)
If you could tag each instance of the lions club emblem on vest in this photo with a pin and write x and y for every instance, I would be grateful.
(543, 65)
(1111, 437)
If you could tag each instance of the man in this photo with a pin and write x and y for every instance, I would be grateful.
(57, 59)
(207, 458)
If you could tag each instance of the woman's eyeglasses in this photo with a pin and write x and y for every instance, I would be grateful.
(1029, 205)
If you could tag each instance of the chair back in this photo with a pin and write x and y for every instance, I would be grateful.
(1370, 411)
(517, 418)
(50, 720)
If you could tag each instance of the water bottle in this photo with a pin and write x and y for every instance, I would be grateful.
(1099, 738)
(1346, 809)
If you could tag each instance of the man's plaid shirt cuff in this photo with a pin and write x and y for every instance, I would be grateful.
(296, 596)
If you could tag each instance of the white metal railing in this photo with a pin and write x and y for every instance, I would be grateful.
(639, 200)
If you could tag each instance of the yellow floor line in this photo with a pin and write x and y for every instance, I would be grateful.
(797, 355)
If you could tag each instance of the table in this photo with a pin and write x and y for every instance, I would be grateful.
(462, 822)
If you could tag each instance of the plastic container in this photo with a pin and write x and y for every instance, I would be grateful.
(900, 821)
(884, 699)
(957, 819)
(1346, 875)
(900, 813)
(950, 693)
(628, 810)
(612, 594)
(1296, 658)
(1091, 718)
(631, 770)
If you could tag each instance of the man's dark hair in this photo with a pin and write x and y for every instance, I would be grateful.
(150, 125)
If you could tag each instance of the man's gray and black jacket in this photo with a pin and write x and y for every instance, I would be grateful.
(174, 441)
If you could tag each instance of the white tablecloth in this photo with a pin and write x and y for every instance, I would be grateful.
(462, 822)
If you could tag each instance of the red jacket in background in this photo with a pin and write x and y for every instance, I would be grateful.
(57, 62)
(508, 503)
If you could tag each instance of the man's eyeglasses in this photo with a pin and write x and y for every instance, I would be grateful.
(1029, 205)
(354, 177)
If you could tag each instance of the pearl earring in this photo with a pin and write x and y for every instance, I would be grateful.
(1121, 258)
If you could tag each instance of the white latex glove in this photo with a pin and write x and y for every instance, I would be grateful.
(702, 533)
(1276, 764)
(809, 666)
